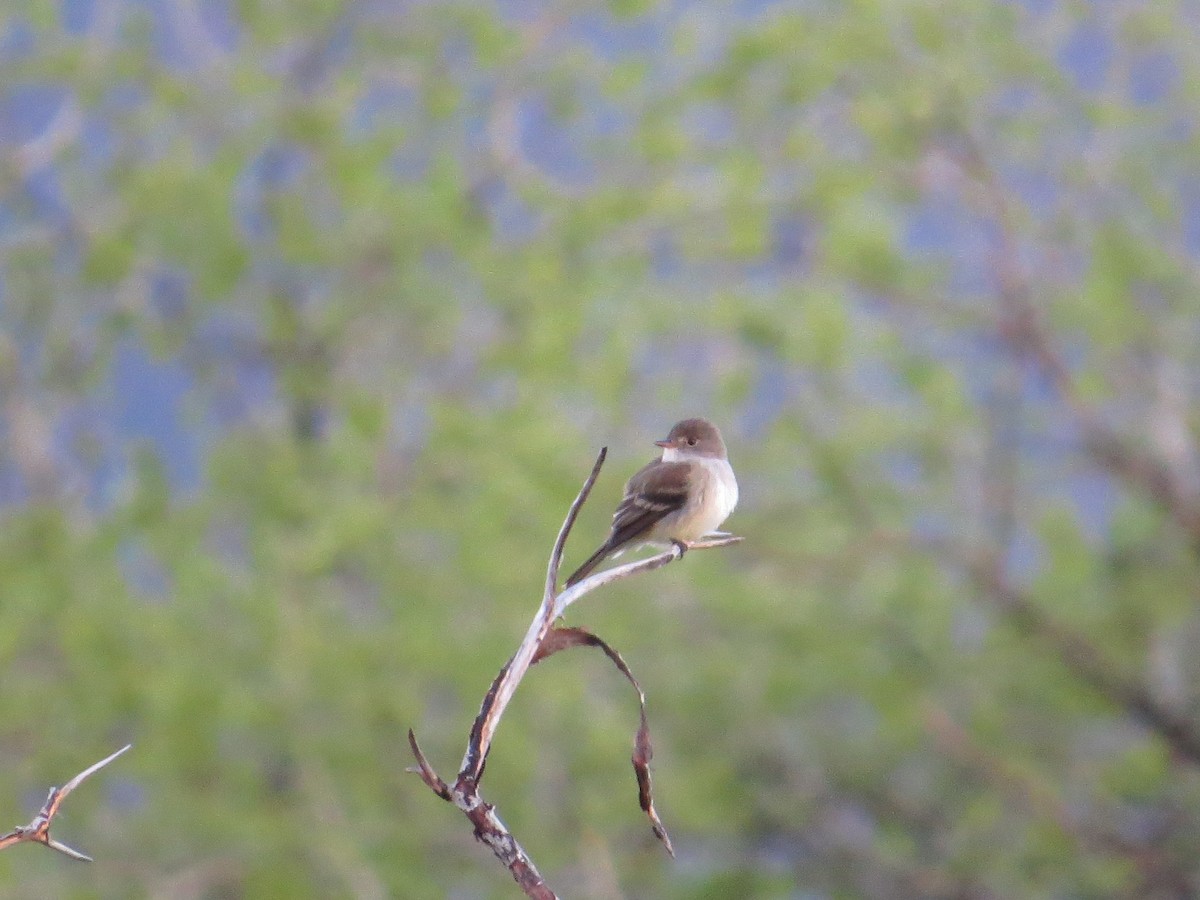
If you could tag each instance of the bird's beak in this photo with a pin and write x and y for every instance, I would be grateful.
(663, 443)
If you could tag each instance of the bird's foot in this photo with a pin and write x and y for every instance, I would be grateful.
(681, 546)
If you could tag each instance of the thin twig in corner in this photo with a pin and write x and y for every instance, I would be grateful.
(38, 830)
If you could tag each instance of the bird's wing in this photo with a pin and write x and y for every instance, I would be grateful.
(652, 494)
(655, 492)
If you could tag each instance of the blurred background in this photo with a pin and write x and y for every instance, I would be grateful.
(313, 316)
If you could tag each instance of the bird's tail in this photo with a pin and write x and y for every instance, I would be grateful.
(592, 561)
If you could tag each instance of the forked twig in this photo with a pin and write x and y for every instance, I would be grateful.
(510, 676)
(541, 640)
(38, 830)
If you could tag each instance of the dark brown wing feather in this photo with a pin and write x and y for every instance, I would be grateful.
(653, 493)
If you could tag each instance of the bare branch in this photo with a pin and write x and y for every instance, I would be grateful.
(425, 770)
(510, 676)
(38, 830)
(617, 573)
(560, 543)
(464, 793)
(488, 827)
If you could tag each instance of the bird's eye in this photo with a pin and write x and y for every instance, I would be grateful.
(691, 442)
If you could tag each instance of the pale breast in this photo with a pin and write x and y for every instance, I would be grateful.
(720, 496)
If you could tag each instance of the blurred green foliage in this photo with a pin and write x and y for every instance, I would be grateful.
(415, 265)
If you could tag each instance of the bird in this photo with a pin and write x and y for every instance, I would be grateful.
(678, 498)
